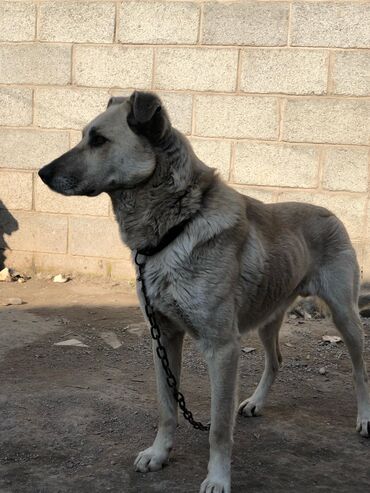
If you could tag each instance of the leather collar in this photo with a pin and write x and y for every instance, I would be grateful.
(166, 239)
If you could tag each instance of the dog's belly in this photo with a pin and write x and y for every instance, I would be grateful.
(260, 306)
(253, 319)
(272, 277)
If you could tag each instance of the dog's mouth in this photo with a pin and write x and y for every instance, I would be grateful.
(69, 186)
(62, 188)
(77, 191)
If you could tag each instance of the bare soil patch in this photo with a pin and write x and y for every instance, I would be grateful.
(72, 419)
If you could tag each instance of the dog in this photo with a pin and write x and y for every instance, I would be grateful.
(217, 263)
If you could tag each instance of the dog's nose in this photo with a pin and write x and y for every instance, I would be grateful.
(45, 174)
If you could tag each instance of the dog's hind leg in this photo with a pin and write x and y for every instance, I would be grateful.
(341, 295)
(154, 457)
(269, 335)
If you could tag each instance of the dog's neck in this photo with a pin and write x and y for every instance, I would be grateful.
(173, 195)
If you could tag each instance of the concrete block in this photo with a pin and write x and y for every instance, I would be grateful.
(36, 232)
(15, 106)
(107, 66)
(246, 23)
(346, 169)
(366, 263)
(77, 21)
(159, 22)
(359, 251)
(180, 109)
(284, 71)
(96, 237)
(338, 24)
(333, 121)
(123, 270)
(69, 264)
(16, 190)
(17, 21)
(236, 116)
(367, 232)
(68, 107)
(276, 165)
(214, 153)
(351, 73)
(35, 64)
(20, 261)
(196, 69)
(30, 149)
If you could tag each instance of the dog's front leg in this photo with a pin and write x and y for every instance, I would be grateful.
(154, 457)
(222, 362)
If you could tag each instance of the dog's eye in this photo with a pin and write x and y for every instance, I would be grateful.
(98, 140)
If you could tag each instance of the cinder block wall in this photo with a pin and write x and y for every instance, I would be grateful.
(274, 94)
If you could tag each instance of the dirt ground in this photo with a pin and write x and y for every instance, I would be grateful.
(73, 418)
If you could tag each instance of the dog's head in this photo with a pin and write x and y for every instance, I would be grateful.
(117, 150)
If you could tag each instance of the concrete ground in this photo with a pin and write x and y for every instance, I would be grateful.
(73, 418)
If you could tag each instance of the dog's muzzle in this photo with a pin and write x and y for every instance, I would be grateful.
(46, 174)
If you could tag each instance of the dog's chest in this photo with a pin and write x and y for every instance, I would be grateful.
(172, 291)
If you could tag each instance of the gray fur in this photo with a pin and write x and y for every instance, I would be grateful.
(237, 265)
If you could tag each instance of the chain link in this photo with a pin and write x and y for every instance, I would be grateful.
(162, 353)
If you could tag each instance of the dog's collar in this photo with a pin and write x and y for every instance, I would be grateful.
(173, 232)
(166, 239)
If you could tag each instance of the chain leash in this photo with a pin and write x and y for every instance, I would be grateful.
(162, 353)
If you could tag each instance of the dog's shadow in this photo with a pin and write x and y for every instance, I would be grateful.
(8, 225)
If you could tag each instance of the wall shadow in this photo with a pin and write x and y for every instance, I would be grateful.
(8, 224)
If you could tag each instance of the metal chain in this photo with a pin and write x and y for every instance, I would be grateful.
(162, 353)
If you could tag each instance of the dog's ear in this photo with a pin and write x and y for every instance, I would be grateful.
(115, 100)
(147, 116)
(144, 106)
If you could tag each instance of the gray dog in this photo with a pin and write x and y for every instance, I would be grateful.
(219, 263)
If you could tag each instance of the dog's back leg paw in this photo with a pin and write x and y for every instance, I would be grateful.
(363, 425)
(215, 486)
(269, 335)
(250, 408)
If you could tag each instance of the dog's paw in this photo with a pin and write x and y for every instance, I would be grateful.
(150, 460)
(363, 426)
(250, 408)
(215, 485)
